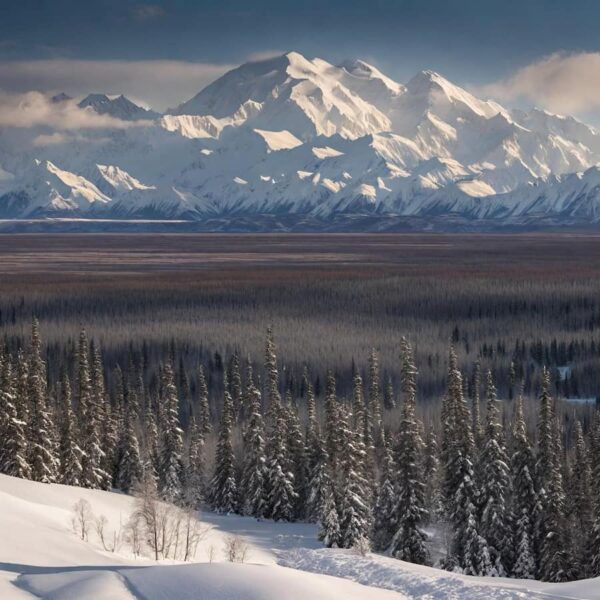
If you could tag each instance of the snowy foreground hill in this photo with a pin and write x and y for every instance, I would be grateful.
(299, 143)
(42, 557)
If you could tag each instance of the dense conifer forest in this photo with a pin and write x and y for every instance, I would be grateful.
(375, 467)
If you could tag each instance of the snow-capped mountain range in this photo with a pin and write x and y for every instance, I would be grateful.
(312, 142)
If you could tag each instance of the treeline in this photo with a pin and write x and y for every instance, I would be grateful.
(372, 474)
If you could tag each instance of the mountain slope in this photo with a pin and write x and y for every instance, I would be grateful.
(292, 136)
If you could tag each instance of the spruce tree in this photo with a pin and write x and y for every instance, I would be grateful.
(524, 498)
(99, 411)
(355, 518)
(194, 484)
(204, 419)
(408, 542)
(254, 474)
(13, 431)
(223, 487)
(129, 468)
(375, 395)
(329, 526)
(385, 523)
(171, 440)
(494, 485)
(581, 499)
(555, 563)
(42, 450)
(69, 450)
(92, 475)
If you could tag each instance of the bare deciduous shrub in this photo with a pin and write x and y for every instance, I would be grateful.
(110, 540)
(82, 518)
(236, 549)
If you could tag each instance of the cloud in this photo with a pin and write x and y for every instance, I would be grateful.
(159, 83)
(264, 55)
(34, 109)
(147, 12)
(561, 83)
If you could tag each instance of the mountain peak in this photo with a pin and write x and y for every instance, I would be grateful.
(119, 107)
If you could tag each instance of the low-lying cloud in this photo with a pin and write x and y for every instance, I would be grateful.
(34, 109)
(561, 83)
(159, 84)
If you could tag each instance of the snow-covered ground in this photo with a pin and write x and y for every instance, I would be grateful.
(42, 557)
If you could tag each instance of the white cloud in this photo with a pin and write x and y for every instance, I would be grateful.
(159, 83)
(264, 55)
(561, 83)
(33, 109)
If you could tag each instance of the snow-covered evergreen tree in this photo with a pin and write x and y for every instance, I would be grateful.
(389, 398)
(204, 420)
(494, 485)
(129, 468)
(223, 487)
(171, 440)
(69, 450)
(408, 542)
(329, 526)
(385, 524)
(194, 483)
(581, 499)
(41, 436)
(524, 498)
(555, 563)
(355, 517)
(92, 475)
(375, 395)
(13, 431)
(253, 492)
(99, 421)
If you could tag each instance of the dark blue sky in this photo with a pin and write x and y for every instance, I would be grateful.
(471, 42)
(467, 40)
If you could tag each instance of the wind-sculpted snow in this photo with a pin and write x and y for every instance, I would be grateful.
(414, 581)
(298, 136)
(42, 557)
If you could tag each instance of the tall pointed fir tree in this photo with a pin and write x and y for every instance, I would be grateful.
(431, 468)
(494, 485)
(355, 516)
(593, 566)
(385, 524)
(296, 455)
(13, 431)
(151, 453)
(253, 492)
(223, 486)
(332, 423)
(476, 405)
(100, 408)
(204, 420)
(279, 486)
(171, 439)
(555, 562)
(329, 525)
(375, 398)
(581, 500)
(408, 542)
(194, 484)
(459, 486)
(92, 475)
(129, 468)
(389, 398)
(70, 452)
(235, 384)
(42, 450)
(524, 498)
